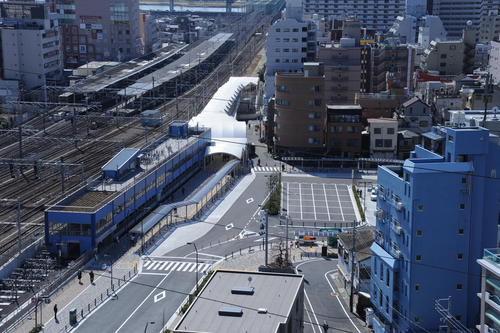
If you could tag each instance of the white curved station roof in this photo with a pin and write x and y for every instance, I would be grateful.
(228, 134)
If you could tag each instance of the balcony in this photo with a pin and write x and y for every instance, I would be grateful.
(379, 213)
(395, 251)
(492, 255)
(396, 227)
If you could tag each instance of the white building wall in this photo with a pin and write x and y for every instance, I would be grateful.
(494, 62)
(28, 56)
(373, 14)
(431, 28)
(384, 126)
(285, 50)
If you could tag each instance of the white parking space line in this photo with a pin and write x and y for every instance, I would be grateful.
(338, 198)
(326, 201)
(300, 198)
(314, 204)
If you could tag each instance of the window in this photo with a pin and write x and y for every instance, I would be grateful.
(420, 208)
(276, 60)
(387, 143)
(464, 180)
(278, 30)
(336, 129)
(417, 286)
(282, 88)
(377, 130)
(282, 102)
(462, 206)
(314, 115)
(459, 286)
(418, 257)
(460, 231)
(443, 55)
(313, 141)
(416, 319)
(450, 138)
(312, 128)
(379, 143)
(419, 233)
(390, 130)
(460, 256)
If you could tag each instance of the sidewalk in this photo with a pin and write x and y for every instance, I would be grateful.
(85, 297)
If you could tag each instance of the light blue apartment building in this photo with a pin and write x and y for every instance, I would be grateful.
(435, 215)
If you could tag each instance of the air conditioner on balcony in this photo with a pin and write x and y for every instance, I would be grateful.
(400, 205)
(397, 228)
(397, 253)
(379, 213)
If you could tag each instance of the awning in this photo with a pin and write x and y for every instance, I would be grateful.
(383, 255)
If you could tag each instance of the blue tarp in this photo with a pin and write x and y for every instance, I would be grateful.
(159, 213)
(120, 159)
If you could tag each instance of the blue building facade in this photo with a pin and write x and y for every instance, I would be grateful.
(81, 221)
(435, 215)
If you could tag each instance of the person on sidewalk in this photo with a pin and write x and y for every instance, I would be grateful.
(79, 277)
(55, 313)
(91, 275)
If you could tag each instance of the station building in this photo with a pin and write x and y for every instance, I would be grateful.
(136, 181)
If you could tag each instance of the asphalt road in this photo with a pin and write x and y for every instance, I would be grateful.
(321, 301)
(145, 300)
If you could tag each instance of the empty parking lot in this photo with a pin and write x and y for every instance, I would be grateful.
(319, 202)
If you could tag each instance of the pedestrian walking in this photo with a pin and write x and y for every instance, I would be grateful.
(55, 312)
(91, 275)
(79, 277)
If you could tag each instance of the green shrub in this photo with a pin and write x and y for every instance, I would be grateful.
(358, 203)
(36, 329)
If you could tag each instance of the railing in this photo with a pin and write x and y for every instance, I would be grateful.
(492, 255)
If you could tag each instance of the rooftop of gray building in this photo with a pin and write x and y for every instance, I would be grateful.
(273, 292)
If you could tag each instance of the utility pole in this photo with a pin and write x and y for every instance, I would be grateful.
(20, 133)
(364, 195)
(487, 90)
(353, 261)
(267, 239)
(18, 220)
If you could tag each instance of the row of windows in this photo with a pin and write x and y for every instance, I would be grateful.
(389, 130)
(69, 229)
(304, 29)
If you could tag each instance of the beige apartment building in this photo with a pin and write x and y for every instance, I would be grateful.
(342, 62)
(299, 110)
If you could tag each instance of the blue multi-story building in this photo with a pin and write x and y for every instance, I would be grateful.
(435, 215)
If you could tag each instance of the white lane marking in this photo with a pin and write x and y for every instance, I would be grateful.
(175, 266)
(181, 266)
(338, 198)
(249, 200)
(187, 266)
(338, 299)
(312, 309)
(193, 267)
(145, 299)
(310, 320)
(204, 268)
(314, 203)
(169, 265)
(155, 265)
(162, 265)
(147, 263)
(229, 226)
(326, 202)
(300, 199)
(160, 296)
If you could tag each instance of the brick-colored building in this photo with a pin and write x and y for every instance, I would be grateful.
(300, 110)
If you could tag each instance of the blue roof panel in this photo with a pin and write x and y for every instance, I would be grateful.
(120, 159)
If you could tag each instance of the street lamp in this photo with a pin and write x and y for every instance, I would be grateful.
(286, 231)
(111, 272)
(196, 250)
(147, 323)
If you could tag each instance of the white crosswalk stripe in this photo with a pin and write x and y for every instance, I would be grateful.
(266, 169)
(164, 266)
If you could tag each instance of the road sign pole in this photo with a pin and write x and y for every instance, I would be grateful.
(267, 238)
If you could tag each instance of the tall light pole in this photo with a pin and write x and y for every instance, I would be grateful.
(196, 250)
(286, 233)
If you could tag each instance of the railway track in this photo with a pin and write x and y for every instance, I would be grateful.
(92, 153)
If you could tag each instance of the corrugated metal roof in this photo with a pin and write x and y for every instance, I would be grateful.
(119, 160)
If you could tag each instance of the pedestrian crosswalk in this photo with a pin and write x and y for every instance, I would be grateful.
(266, 169)
(165, 266)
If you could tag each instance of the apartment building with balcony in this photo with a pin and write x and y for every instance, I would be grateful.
(435, 215)
(373, 14)
(343, 130)
(342, 63)
(456, 13)
(489, 320)
(30, 43)
(489, 25)
(290, 42)
(299, 115)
